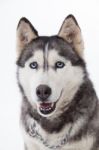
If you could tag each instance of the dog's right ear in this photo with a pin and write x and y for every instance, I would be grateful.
(25, 34)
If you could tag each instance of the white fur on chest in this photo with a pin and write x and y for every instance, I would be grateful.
(85, 144)
(53, 139)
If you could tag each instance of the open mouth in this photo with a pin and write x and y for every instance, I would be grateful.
(47, 108)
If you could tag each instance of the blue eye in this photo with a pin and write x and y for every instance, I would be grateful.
(59, 64)
(33, 65)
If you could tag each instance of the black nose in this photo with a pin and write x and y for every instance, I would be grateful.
(43, 92)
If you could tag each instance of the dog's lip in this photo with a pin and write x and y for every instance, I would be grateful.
(46, 108)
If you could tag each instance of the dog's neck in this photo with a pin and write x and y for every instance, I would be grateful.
(49, 143)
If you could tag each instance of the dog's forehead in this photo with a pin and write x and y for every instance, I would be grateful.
(48, 56)
(48, 45)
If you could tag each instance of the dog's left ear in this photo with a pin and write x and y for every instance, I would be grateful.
(25, 34)
(70, 31)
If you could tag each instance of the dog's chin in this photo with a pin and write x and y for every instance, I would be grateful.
(46, 109)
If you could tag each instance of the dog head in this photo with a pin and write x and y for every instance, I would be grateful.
(50, 69)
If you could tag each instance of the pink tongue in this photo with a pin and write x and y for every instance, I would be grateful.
(45, 105)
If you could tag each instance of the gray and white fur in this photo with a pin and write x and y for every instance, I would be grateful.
(60, 109)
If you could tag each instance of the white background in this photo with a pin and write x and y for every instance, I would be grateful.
(47, 17)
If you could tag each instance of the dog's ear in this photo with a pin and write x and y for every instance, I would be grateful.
(70, 31)
(25, 34)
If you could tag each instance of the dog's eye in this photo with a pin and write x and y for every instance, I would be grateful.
(59, 64)
(34, 65)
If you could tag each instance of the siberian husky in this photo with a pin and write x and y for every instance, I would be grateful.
(60, 108)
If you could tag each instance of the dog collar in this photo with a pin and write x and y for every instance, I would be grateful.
(34, 133)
